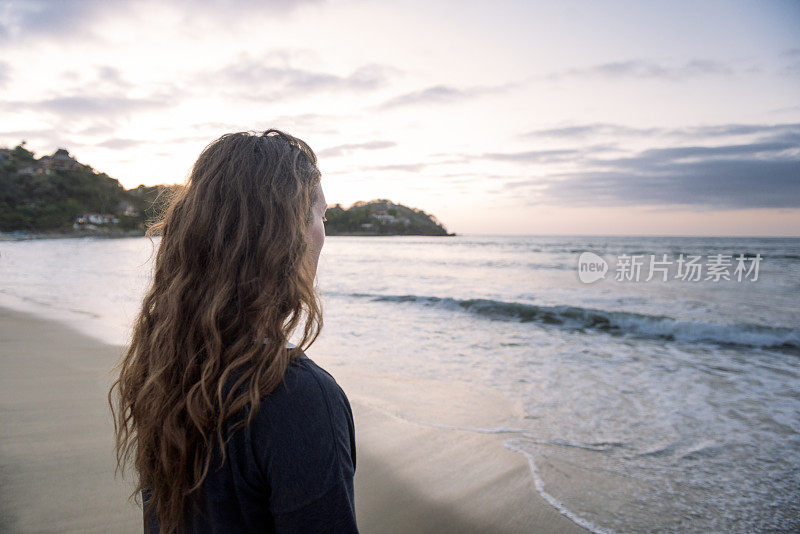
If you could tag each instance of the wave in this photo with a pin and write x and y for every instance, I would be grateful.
(687, 451)
(615, 323)
(515, 445)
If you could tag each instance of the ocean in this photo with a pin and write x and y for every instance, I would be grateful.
(676, 392)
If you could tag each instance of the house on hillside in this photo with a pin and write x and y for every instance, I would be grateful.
(126, 208)
(59, 161)
(88, 220)
(390, 219)
(384, 217)
(31, 169)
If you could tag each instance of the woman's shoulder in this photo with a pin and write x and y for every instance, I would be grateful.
(304, 374)
(306, 392)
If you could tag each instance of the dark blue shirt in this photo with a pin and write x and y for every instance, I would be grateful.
(291, 469)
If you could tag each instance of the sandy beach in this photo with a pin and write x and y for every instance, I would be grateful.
(57, 461)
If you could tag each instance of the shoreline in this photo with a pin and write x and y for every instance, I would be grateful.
(56, 450)
(115, 234)
(67, 234)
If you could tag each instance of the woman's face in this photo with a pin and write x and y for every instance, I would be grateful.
(317, 228)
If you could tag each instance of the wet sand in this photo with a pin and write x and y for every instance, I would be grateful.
(57, 464)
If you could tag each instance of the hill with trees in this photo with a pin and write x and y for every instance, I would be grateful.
(381, 217)
(57, 195)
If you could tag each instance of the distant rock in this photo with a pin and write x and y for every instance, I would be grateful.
(381, 217)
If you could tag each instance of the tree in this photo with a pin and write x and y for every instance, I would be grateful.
(21, 154)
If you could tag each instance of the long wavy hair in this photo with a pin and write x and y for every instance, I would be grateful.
(231, 283)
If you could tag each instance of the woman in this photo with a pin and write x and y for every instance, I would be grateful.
(231, 428)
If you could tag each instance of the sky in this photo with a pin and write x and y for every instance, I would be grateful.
(526, 118)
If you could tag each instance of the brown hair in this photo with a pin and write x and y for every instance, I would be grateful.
(231, 271)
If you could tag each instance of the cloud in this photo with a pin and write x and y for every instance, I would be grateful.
(532, 155)
(785, 109)
(724, 130)
(97, 129)
(276, 82)
(406, 167)
(40, 140)
(579, 131)
(119, 143)
(341, 150)
(51, 18)
(759, 175)
(65, 19)
(24, 134)
(71, 107)
(231, 13)
(791, 62)
(584, 130)
(41, 136)
(537, 156)
(5, 73)
(442, 94)
(112, 76)
(58, 138)
(297, 124)
(718, 185)
(644, 68)
(657, 156)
